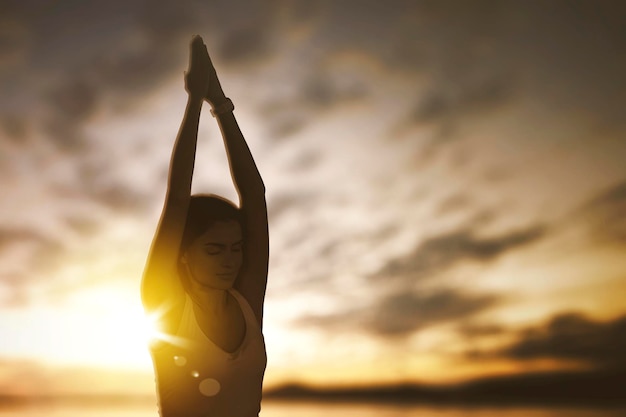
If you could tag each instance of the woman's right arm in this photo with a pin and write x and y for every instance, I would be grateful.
(160, 286)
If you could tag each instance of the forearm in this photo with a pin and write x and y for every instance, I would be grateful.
(243, 169)
(184, 153)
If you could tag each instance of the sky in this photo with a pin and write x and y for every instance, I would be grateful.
(445, 182)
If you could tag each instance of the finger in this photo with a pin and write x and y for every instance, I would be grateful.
(198, 52)
(192, 54)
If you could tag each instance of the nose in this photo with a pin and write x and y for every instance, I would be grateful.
(228, 260)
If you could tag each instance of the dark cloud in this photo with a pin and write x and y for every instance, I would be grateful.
(605, 214)
(575, 56)
(402, 313)
(474, 56)
(439, 253)
(305, 161)
(14, 127)
(285, 125)
(120, 198)
(14, 236)
(453, 203)
(485, 55)
(570, 336)
(481, 95)
(61, 63)
(323, 90)
(83, 225)
(246, 44)
(472, 330)
(280, 204)
(323, 86)
(121, 51)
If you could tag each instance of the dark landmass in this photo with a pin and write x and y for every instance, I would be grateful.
(605, 388)
(598, 388)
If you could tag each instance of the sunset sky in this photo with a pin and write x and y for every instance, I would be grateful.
(446, 183)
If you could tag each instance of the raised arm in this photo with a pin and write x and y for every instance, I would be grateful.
(252, 279)
(161, 287)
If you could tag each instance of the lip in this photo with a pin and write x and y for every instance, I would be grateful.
(225, 274)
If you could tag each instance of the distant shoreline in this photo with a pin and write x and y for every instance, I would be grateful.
(597, 389)
(592, 388)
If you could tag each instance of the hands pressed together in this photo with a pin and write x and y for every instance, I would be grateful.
(201, 80)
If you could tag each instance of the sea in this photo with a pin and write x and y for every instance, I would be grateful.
(278, 408)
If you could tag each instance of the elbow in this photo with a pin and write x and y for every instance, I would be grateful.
(254, 192)
(258, 187)
(261, 188)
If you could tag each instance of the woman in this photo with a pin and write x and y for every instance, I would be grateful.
(206, 273)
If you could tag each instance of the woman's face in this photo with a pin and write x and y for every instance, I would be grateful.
(214, 259)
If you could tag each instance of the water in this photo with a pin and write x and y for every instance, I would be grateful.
(312, 409)
(305, 409)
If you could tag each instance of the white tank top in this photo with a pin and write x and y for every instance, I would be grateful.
(195, 377)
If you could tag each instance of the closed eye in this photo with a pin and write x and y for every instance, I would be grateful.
(237, 247)
(213, 249)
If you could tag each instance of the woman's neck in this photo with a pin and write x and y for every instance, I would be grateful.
(213, 300)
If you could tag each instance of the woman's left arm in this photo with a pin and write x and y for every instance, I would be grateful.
(252, 279)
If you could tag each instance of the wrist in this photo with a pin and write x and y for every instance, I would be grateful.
(225, 106)
(217, 99)
(215, 95)
(194, 98)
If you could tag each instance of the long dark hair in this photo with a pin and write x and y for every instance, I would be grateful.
(204, 210)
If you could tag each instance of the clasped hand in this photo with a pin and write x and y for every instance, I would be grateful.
(201, 79)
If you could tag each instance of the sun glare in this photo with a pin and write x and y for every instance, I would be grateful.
(153, 331)
(131, 332)
(101, 327)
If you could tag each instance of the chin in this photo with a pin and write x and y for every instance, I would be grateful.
(217, 284)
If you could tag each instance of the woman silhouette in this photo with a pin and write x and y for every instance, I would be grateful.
(206, 272)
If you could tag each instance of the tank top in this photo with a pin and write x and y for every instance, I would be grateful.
(196, 378)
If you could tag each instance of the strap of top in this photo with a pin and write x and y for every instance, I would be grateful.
(246, 309)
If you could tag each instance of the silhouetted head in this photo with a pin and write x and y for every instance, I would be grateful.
(211, 250)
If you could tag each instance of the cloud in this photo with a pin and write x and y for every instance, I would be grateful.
(502, 53)
(323, 86)
(43, 245)
(473, 330)
(88, 53)
(25, 255)
(246, 44)
(404, 312)
(71, 71)
(282, 203)
(604, 214)
(325, 55)
(444, 105)
(570, 336)
(454, 203)
(437, 254)
(472, 56)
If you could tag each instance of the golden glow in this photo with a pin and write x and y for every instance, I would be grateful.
(96, 327)
(105, 326)
(154, 328)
